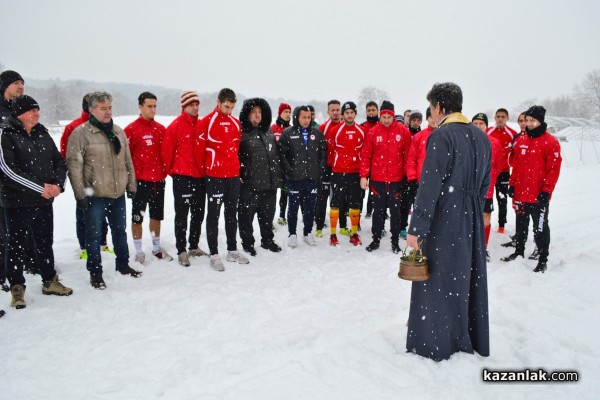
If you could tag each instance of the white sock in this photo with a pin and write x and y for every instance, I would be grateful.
(155, 244)
(138, 246)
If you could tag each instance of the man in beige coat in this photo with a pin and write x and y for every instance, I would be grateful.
(101, 171)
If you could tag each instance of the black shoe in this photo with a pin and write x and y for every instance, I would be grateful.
(250, 250)
(5, 287)
(373, 246)
(131, 272)
(512, 257)
(535, 255)
(271, 246)
(395, 247)
(97, 282)
(512, 243)
(541, 267)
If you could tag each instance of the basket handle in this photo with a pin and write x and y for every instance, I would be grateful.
(418, 253)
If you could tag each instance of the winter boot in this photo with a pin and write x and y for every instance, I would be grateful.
(541, 267)
(395, 247)
(373, 246)
(131, 272)
(512, 257)
(271, 246)
(18, 297)
(97, 282)
(55, 287)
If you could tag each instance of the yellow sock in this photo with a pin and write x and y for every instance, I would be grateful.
(354, 220)
(334, 215)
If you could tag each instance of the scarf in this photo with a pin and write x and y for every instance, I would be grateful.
(374, 119)
(281, 122)
(108, 131)
(536, 132)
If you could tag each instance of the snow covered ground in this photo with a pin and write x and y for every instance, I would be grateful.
(307, 323)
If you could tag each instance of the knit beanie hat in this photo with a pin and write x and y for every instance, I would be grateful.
(188, 97)
(386, 108)
(399, 118)
(22, 104)
(7, 78)
(537, 112)
(480, 117)
(348, 106)
(283, 107)
(415, 114)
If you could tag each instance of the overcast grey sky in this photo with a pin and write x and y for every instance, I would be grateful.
(500, 53)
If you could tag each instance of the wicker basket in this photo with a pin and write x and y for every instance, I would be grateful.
(414, 267)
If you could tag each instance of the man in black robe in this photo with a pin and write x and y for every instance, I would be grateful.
(449, 311)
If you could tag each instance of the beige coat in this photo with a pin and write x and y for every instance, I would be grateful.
(94, 168)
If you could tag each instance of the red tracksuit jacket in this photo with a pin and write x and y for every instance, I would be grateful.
(145, 142)
(178, 147)
(416, 155)
(505, 137)
(64, 139)
(328, 128)
(383, 155)
(497, 164)
(222, 133)
(346, 142)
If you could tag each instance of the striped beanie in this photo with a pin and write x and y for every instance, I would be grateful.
(188, 97)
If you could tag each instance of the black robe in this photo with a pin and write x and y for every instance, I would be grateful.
(449, 312)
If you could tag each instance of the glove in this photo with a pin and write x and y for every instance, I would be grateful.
(511, 191)
(83, 204)
(413, 186)
(130, 195)
(543, 199)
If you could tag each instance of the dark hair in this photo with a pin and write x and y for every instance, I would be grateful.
(504, 110)
(448, 95)
(144, 96)
(406, 111)
(303, 108)
(227, 94)
(334, 101)
(311, 108)
(372, 104)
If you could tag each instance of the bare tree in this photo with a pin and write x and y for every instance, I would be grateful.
(588, 94)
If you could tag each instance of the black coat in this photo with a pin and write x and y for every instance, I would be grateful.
(300, 162)
(26, 163)
(259, 159)
(449, 312)
(5, 109)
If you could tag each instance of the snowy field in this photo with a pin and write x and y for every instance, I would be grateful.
(307, 323)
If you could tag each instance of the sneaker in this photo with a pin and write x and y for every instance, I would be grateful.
(236, 256)
(183, 259)
(541, 267)
(282, 221)
(403, 234)
(500, 229)
(368, 216)
(162, 255)
(293, 241)
(216, 263)
(310, 240)
(18, 297)
(355, 239)
(196, 252)
(319, 233)
(55, 287)
(511, 257)
(512, 243)
(395, 247)
(250, 250)
(535, 255)
(333, 240)
(373, 246)
(97, 282)
(140, 258)
(107, 249)
(83, 255)
(487, 256)
(131, 272)
(344, 231)
(271, 246)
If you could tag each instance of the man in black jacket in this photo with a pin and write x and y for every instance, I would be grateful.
(303, 153)
(33, 173)
(260, 175)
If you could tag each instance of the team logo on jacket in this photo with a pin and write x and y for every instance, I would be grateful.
(312, 137)
(397, 138)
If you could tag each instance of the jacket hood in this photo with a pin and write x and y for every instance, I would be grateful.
(247, 107)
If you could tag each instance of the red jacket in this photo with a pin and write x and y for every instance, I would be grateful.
(64, 139)
(383, 155)
(536, 167)
(505, 137)
(497, 164)
(347, 141)
(328, 128)
(178, 147)
(277, 131)
(416, 155)
(369, 125)
(145, 141)
(223, 135)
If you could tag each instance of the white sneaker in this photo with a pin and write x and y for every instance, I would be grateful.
(140, 257)
(293, 241)
(162, 255)
(197, 252)
(236, 256)
(310, 240)
(215, 263)
(184, 259)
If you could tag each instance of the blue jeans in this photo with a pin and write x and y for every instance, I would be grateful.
(80, 225)
(302, 193)
(100, 209)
